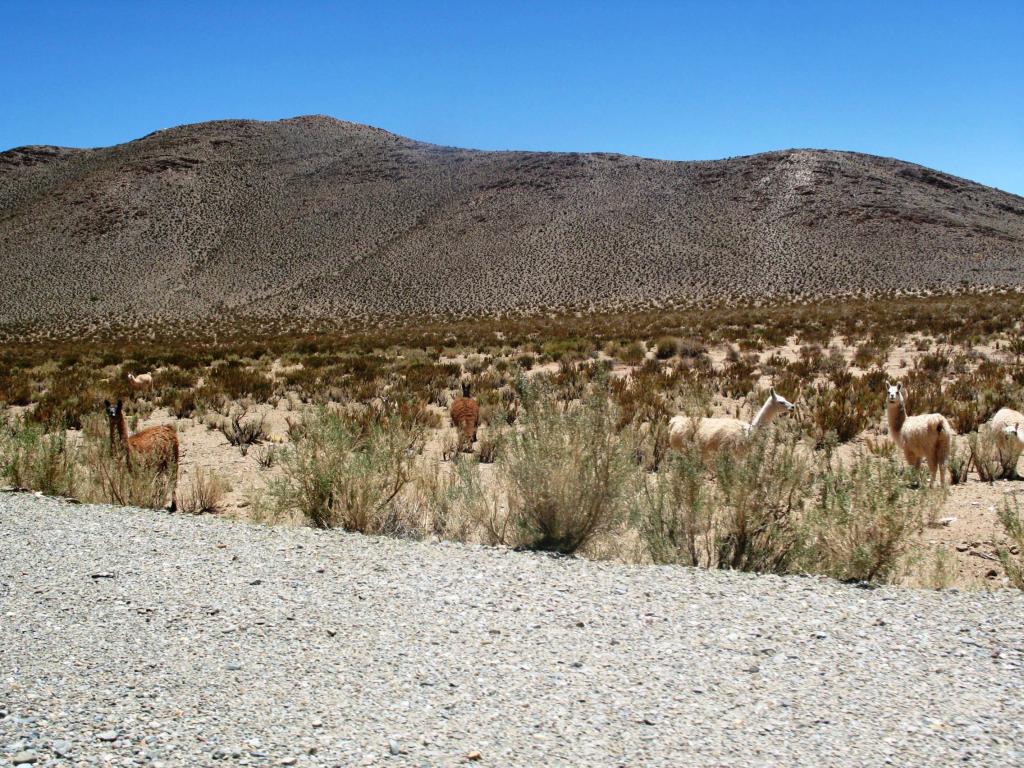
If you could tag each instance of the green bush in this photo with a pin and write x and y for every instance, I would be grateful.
(34, 459)
(343, 474)
(863, 520)
(567, 473)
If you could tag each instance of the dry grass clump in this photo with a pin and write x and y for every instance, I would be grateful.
(243, 433)
(345, 474)
(1012, 556)
(991, 460)
(204, 494)
(863, 520)
(841, 408)
(15, 387)
(747, 519)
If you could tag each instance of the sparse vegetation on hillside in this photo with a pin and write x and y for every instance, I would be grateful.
(537, 231)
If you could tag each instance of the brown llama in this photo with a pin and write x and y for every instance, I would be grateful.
(465, 413)
(155, 447)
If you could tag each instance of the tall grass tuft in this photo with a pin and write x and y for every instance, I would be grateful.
(1012, 557)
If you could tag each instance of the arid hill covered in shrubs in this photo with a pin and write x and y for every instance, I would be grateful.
(316, 218)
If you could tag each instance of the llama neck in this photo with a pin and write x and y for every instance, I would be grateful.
(764, 416)
(119, 432)
(897, 413)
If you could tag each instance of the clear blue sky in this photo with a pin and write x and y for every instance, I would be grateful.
(934, 82)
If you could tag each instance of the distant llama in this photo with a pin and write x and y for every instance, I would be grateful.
(717, 434)
(156, 447)
(465, 413)
(141, 382)
(927, 436)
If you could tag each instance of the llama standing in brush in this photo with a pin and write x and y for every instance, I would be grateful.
(465, 413)
(927, 436)
(155, 447)
(714, 435)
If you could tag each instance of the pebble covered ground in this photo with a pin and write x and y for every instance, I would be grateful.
(132, 637)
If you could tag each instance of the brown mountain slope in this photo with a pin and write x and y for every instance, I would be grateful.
(313, 217)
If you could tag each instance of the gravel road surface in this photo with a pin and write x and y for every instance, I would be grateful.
(132, 637)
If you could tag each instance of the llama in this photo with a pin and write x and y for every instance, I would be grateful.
(465, 413)
(927, 436)
(140, 382)
(714, 435)
(1008, 428)
(154, 446)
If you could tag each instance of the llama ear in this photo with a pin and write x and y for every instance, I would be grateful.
(903, 390)
(106, 404)
(120, 405)
(772, 393)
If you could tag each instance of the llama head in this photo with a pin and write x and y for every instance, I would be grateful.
(465, 389)
(779, 403)
(896, 394)
(775, 405)
(113, 411)
(1015, 433)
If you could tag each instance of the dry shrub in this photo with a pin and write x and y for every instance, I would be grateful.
(761, 498)
(243, 433)
(1012, 557)
(666, 347)
(266, 456)
(34, 459)
(455, 506)
(747, 519)
(232, 381)
(864, 520)
(567, 474)
(343, 474)
(203, 494)
(675, 511)
(181, 403)
(451, 443)
(15, 388)
(842, 408)
(490, 444)
(960, 460)
(773, 510)
(70, 396)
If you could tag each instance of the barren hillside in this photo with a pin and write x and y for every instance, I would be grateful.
(313, 217)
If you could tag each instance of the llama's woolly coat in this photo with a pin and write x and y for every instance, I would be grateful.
(142, 381)
(465, 413)
(157, 446)
(712, 435)
(1007, 417)
(927, 437)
